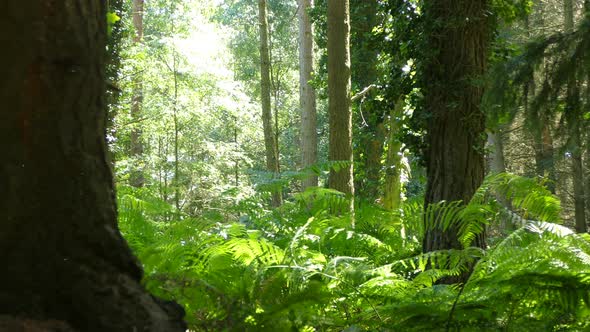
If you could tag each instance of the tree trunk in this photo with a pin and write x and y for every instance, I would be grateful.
(456, 132)
(340, 114)
(176, 135)
(62, 254)
(307, 101)
(544, 152)
(393, 167)
(587, 188)
(137, 178)
(272, 160)
(497, 163)
(574, 117)
(578, 178)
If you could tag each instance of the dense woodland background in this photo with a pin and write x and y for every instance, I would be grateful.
(282, 165)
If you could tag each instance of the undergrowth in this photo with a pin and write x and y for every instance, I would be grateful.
(304, 268)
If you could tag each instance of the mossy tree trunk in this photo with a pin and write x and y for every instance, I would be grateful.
(62, 254)
(270, 142)
(458, 31)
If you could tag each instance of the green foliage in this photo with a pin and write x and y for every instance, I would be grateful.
(304, 268)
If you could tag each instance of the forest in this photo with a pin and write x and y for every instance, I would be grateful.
(295, 165)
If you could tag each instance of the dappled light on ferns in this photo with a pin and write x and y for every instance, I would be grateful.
(312, 271)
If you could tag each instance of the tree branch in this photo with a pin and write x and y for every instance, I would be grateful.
(363, 93)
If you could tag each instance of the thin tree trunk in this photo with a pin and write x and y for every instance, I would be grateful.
(573, 114)
(62, 254)
(137, 178)
(237, 162)
(497, 163)
(307, 96)
(272, 161)
(456, 133)
(340, 114)
(544, 154)
(176, 137)
(393, 165)
(578, 179)
(587, 188)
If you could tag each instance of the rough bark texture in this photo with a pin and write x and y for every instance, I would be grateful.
(574, 117)
(62, 254)
(587, 160)
(340, 114)
(578, 178)
(307, 95)
(272, 155)
(136, 178)
(456, 132)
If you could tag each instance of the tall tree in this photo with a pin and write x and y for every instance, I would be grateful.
(340, 114)
(270, 143)
(136, 145)
(458, 36)
(307, 95)
(574, 117)
(62, 253)
(587, 187)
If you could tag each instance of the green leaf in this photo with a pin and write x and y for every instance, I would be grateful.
(112, 18)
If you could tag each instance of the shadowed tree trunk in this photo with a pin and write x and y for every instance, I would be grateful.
(62, 254)
(574, 117)
(587, 188)
(587, 110)
(458, 30)
(309, 136)
(340, 114)
(270, 143)
(136, 178)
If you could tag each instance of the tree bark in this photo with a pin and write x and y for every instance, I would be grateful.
(340, 114)
(272, 155)
(307, 95)
(497, 163)
(587, 160)
(456, 130)
(136, 178)
(63, 256)
(392, 197)
(574, 117)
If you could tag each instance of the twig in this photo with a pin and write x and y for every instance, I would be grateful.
(363, 93)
